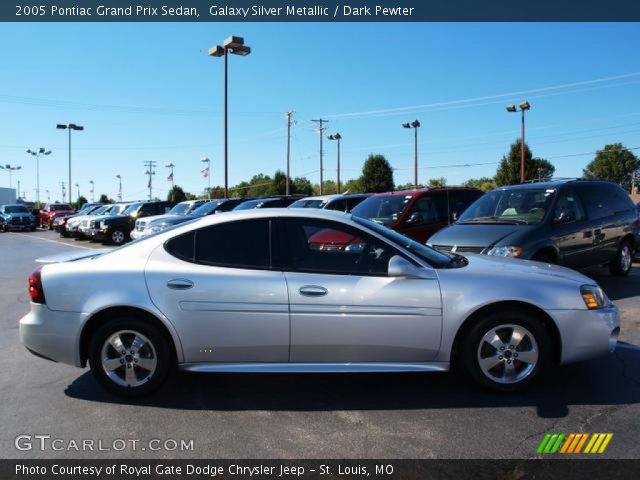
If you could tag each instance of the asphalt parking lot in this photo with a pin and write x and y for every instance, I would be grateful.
(310, 416)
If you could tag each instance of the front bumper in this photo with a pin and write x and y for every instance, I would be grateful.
(587, 334)
(53, 335)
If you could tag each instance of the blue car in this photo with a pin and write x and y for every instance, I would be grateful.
(17, 217)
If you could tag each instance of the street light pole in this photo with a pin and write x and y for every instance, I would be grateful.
(69, 126)
(524, 106)
(321, 129)
(93, 191)
(337, 137)
(236, 46)
(41, 151)
(150, 164)
(10, 168)
(119, 177)
(288, 185)
(415, 124)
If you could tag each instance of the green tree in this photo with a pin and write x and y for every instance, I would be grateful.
(353, 186)
(80, 202)
(615, 163)
(280, 183)
(260, 185)
(508, 172)
(483, 183)
(104, 199)
(377, 174)
(329, 187)
(176, 194)
(302, 186)
(437, 182)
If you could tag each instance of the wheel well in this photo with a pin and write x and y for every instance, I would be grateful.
(96, 321)
(629, 238)
(550, 251)
(547, 321)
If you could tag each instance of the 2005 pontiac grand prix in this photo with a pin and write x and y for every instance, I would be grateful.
(308, 291)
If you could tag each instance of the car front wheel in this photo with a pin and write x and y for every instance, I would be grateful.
(621, 264)
(117, 237)
(130, 357)
(506, 351)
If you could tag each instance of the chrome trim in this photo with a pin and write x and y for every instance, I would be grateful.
(313, 367)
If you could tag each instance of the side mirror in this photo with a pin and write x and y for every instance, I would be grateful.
(403, 268)
(566, 217)
(416, 217)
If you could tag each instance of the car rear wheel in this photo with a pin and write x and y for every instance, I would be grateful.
(621, 264)
(129, 357)
(506, 351)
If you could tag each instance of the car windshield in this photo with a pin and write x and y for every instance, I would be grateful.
(60, 206)
(433, 257)
(117, 210)
(309, 203)
(16, 209)
(519, 206)
(207, 208)
(180, 209)
(101, 210)
(252, 204)
(384, 209)
(131, 208)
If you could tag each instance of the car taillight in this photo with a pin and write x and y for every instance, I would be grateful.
(36, 292)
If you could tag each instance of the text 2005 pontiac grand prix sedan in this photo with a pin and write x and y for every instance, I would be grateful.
(280, 291)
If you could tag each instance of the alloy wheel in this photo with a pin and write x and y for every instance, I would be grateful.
(508, 354)
(117, 237)
(625, 258)
(128, 358)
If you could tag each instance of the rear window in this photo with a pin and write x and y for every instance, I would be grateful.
(15, 209)
(597, 201)
(60, 206)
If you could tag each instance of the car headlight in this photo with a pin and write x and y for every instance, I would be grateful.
(157, 228)
(593, 296)
(510, 251)
(103, 225)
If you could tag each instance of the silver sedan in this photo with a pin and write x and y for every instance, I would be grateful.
(308, 291)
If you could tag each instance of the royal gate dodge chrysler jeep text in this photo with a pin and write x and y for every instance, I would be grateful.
(250, 291)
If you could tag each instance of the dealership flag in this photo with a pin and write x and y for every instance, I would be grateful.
(205, 172)
(170, 177)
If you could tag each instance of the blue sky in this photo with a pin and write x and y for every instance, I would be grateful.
(149, 92)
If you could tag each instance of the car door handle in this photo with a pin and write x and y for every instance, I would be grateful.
(180, 284)
(313, 291)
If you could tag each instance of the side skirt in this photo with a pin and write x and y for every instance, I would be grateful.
(314, 367)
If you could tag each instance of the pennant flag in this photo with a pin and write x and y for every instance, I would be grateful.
(170, 177)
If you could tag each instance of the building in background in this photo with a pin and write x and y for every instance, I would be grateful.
(7, 196)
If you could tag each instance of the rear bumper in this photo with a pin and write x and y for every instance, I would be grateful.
(587, 334)
(52, 335)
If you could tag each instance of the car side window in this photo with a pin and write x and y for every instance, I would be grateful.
(353, 202)
(429, 209)
(620, 200)
(568, 208)
(320, 246)
(596, 201)
(242, 244)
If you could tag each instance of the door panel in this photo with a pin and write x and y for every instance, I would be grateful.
(227, 315)
(364, 319)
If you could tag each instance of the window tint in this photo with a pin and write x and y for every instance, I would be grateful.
(429, 209)
(182, 246)
(620, 200)
(597, 202)
(235, 244)
(339, 205)
(329, 247)
(353, 201)
(460, 200)
(568, 208)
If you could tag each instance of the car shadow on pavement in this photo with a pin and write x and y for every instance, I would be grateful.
(613, 380)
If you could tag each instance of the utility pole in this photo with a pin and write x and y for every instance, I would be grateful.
(93, 191)
(321, 129)
(150, 165)
(288, 115)
(119, 177)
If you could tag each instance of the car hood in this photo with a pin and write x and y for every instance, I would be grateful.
(480, 235)
(174, 219)
(116, 217)
(158, 218)
(505, 266)
(68, 256)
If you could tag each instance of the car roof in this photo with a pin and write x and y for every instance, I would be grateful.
(415, 192)
(555, 183)
(323, 197)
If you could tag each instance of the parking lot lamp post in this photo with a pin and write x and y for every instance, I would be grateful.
(415, 124)
(337, 137)
(92, 191)
(38, 153)
(208, 172)
(69, 127)
(119, 177)
(236, 46)
(48, 196)
(10, 169)
(524, 106)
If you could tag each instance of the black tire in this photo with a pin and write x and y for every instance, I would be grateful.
(117, 237)
(470, 349)
(50, 226)
(543, 257)
(164, 357)
(622, 263)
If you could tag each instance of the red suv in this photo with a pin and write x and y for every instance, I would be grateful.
(418, 213)
(51, 210)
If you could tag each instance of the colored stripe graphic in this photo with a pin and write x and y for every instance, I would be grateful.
(573, 443)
